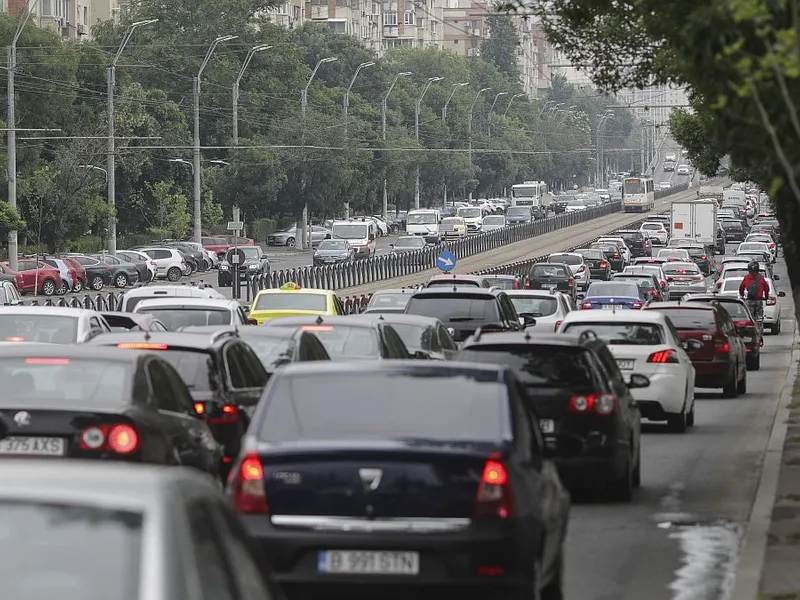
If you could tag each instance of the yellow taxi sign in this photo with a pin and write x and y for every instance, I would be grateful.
(291, 285)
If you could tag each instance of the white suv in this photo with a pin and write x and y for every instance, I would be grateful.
(169, 262)
(657, 232)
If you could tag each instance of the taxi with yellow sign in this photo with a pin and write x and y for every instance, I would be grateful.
(453, 227)
(291, 300)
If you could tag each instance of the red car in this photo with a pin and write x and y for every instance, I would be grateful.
(35, 277)
(80, 272)
(708, 333)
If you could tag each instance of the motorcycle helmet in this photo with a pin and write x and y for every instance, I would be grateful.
(752, 267)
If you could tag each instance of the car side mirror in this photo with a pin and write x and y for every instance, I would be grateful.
(638, 381)
(781, 294)
(252, 321)
(776, 277)
(451, 331)
(421, 355)
(527, 321)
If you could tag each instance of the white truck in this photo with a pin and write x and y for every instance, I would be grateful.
(695, 220)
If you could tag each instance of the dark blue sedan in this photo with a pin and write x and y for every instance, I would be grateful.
(611, 295)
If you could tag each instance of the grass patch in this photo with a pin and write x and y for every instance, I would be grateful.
(793, 439)
(793, 539)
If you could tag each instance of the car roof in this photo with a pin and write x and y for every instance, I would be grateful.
(630, 275)
(324, 368)
(181, 339)
(504, 338)
(716, 297)
(601, 316)
(469, 292)
(60, 311)
(408, 291)
(671, 305)
(76, 351)
(187, 302)
(500, 276)
(402, 319)
(347, 320)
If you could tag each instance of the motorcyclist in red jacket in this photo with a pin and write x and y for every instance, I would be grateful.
(755, 290)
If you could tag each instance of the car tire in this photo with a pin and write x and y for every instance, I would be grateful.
(64, 288)
(187, 269)
(677, 423)
(48, 287)
(754, 362)
(174, 274)
(637, 470)
(97, 283)
(120, 280)
(776, 329)
(290, 242)
(78, 287)
(729, 390)
(741, 386)
(621, 489)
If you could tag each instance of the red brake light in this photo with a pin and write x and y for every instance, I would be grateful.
(744, 323)
(663, 285)
(230, 409)
(558, 324)
(46, 361)
(581, 269)
(637, 305)
(663, 357)
(616, 255)
(603, 264)
(586, 305)
(703, 257)
(722, 346)
(199, 408)
(516, 284)
(249, 495)
(121, 439)
(601, 404)
(772, 301)
(142, 346)
(571, 282)
(494, 491)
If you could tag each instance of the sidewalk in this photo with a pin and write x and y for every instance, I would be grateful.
(780, 578)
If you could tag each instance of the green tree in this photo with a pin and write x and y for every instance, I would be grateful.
(172, 213)
(500, 48)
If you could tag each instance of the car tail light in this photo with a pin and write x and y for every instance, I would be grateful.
(603, 264)
(744, 323)
(249, 495)
(229, 414)
(636, 305)
(663, 285)
(586, 305)
(558, 324)
(571, 282)
(664, 357)
(772, 246)
(199, 408)
(703, 257)
(494, 492)
(119, 438)
(581, 269)
(721, 346)
(601, 404)
(772, 301)
(527, 282)
(616, 255)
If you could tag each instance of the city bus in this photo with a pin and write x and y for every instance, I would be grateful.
(638, 194)
(533, 194)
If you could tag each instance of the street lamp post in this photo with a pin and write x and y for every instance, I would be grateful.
(510, 102)
(384, 104)
(183, 161)
(491, 109)
(252, 52)
(346, 102)
(417, 109)
(111, 84)
(95, 168)
(599, 159)
(469, 124)
(304, 239)
(198, 221)
(545, 106)
(450, 97)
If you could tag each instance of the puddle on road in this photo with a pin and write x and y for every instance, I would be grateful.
(710, 551)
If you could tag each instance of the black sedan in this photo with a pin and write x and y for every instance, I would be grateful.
(123, 273)
(612, 253)
(734, 230)
(551, 276)
(98, 273)
(87, 402)
(255, 263)
(595, 258)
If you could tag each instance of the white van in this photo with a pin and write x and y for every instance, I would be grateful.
(360, 234)
(424, 223)
(473, 217)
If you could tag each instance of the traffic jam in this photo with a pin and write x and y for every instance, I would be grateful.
(435, 442)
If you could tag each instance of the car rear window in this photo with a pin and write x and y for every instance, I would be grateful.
(736, 310)
(453, 282)
(534, 306)
(607, 248)
(680, 269)
(273, 352)
(343, 342)
(504, 283)
(196, 367)
(291, 301)
(542, 365)
(456, 405)
(451, 309)
(623, 334)
(86, 549)
(653, 226)
(388, 300)
(567, 259)
(620, 288)
(549, 271)
(731, 285)
(691, 318)
(592, 254)
(175, 318)
(38, 328)
(633, 236)
(642, 282)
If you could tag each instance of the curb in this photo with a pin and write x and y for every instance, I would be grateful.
(754, 545)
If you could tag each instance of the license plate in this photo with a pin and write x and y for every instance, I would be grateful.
(547, 426)
(368, 563)
(681, 282)
(747, 339)
(613, 306)
(625, 364)
(552, 286)
(33, 446)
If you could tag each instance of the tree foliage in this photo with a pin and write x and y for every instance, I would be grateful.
(500, 48)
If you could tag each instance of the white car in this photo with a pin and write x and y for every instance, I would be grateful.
(136, 256)
(664, 185)
(657, 231)
(494, 222)
(670, 158)
(683, 170)
(752, 246)
(549, 309)
(772, 307)
(136, 295)
(626, 252)
(176, 313)
(473, 217)
(50, 324)
(169, 262)
(645, 342)
(672, 254)
(577, 264)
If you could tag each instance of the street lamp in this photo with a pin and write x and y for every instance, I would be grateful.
(183, 161)
(469, 120)
(95, 168)
(510, 102)
(248, 58)
(545, 106)
(304, 239)
(346, 103)
(450, 97)
(224, 163)
(417, 109)
(491, 109)
(385, 208)
(198, 222)
(599, 159)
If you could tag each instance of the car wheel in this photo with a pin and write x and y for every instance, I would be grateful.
(78, 287)
(290, 242)
(741, 387)
(677, 423)
(776, 329)
(97, 283)
(121, 280)
(730, 388)
(174, 274)
(754, 362)
(187, 269)
(622, 489)
(64, 288)
(690, 417)
(48, 287)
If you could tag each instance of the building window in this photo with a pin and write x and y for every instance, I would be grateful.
(337, 27)
(342, 2)
(433, 26)
(409, 18)
(390, 18)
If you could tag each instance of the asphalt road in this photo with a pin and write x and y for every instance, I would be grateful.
(679, 538)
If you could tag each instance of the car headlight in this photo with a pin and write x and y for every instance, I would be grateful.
(253, 266)
(223, 267)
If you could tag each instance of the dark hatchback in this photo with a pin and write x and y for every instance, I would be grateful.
(587, 414)
(123, 273)
(98, 273)
(612, 253)
(350, 338)
(713, 343)
(734, 230)
(466, 309)
(551, 276)
(422, 334)
(224, 377)
(438, 483)
(599, 267)
(700, 255)
(743, 319)
(638, 243)
(85, 402)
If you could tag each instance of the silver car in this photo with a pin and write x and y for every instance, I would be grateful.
(50, 324)
(684, 278)
(288, 237)
(494, 222)
(549, 309)
(84, 529)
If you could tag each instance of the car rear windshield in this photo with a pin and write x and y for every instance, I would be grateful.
(452, 309)
(736, 310)
(494, 220)
(86, 549)
(38, 328)
(731, 285)
(57, 381)
(695, 252)
(292, 301)
(343, 342)
(273, 352)
(175, 318)
(680, 269)
(643, 282)
(606, 248)
(691, 318)
(549, 271)
(544, 365)
(519, 211)
(196, 367)
(624, 334)
(632, 236)
(567, 259)
(535, 306)
(653, 226)
(592, 254)
(427, 406)
(504, 283)
(677, 253)
(388, 300)
(620, 288)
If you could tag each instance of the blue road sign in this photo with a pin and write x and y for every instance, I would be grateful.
(446, 261)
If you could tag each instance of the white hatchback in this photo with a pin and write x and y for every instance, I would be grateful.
(763, 238)
(549, 309)
(646, 342)
(657, 231)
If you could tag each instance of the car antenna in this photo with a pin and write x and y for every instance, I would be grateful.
(381, 318)
(146, 335)
(318, 320)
